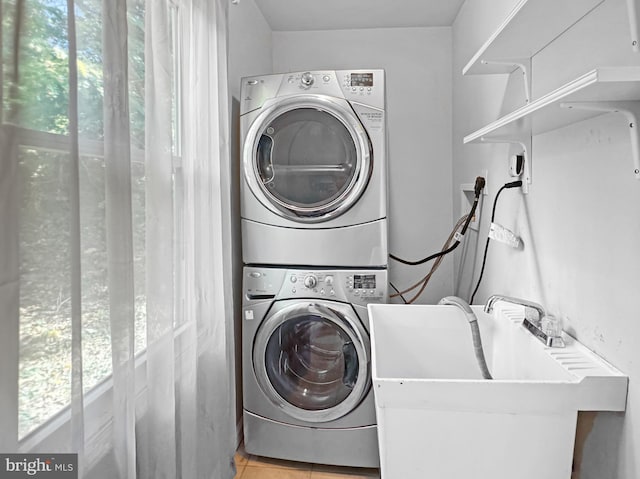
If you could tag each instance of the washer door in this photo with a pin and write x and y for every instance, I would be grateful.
(307, 157)
(311, 359)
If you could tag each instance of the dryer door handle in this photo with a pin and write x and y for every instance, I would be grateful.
(265, 163)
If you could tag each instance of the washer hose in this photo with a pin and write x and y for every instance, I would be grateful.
(475, 331)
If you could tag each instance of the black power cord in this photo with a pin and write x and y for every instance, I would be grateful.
(513, 184)
(477, 190)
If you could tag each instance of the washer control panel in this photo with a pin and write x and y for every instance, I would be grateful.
(362, 284)
(358, 287)
(352, 286)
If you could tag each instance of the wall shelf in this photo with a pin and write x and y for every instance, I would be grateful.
(531, 26)
(611, 89)
(545, 114)
(528, 28)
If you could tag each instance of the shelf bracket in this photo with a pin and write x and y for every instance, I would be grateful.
(525, 143)
(630, 109)
(634, 23)
(524, 65)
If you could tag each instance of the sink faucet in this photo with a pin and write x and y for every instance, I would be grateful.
(522, 302)
(533, 325)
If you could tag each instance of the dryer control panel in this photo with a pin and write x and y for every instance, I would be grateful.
(350, 286)
(360, 86)
(363, 86)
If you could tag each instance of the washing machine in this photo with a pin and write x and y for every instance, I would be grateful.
(307, 392)
(314, 169)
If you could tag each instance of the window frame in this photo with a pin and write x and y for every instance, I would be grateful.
(56, 430)
(98, 429)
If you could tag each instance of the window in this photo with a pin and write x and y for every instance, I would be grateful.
(44, 163)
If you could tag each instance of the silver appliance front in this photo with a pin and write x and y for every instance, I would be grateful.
(353, 447)
(306, 362)
(311, 359)
(351, 246)
(313, 187)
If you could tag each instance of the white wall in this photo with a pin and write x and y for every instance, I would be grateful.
(249, 44)
(579, 224)
(417, 62)
(249, 54)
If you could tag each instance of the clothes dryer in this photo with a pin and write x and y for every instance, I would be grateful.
(306, 364)
(314, 174)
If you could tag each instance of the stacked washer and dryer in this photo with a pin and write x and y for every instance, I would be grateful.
(314, 242)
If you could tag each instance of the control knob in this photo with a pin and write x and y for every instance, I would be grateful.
(307, 79)
(310, 281)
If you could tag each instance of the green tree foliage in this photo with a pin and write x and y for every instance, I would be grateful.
(43, 64)
(43, 86)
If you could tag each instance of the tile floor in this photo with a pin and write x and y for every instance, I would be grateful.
(254, 467)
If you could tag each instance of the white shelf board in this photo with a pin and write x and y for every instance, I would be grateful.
(545, 114)
(529, 27)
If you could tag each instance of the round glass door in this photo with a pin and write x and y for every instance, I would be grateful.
(310, 360)
(311, 160)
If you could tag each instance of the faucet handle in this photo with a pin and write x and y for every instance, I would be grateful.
(533, 315)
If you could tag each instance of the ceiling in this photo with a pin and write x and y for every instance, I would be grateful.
(300, 15)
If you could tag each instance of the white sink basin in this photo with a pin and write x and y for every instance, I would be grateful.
(432, 403)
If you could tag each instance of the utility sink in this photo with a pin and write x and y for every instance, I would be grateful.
(437, 417)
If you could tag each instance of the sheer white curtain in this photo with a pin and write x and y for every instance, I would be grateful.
(144, 203)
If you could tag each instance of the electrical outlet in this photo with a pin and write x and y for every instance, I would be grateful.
(516, 165)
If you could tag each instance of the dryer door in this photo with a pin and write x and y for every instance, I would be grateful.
(307, 157)
(312, 359)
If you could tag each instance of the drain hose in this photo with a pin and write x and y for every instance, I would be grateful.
(475, 331)
(477, 347)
